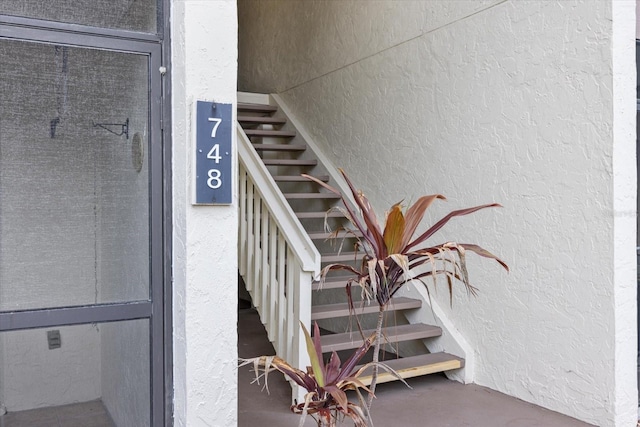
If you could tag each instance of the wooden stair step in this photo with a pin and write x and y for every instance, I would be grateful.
(289, 162)
(311, 196)
(329, 311)
(262, 120)
(393, 334)
(324, 235)
(270, 133)
(335, 282)
(312, 215)
(260, 108)
(414, 366)
(298, 178)
(342, 257)
(279, 147)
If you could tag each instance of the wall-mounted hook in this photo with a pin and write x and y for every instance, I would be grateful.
(53, 124)
(124, 127)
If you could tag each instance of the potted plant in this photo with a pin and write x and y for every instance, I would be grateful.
(394, 257)
(326, 383)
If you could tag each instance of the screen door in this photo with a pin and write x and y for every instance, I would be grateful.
(81, 231)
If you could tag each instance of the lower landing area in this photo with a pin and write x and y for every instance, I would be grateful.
(86, 414)
(433, 401)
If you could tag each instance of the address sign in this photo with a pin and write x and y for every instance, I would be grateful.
(213, 153)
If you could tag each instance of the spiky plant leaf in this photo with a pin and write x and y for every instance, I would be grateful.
(372, 264)
(394, 229)
(350, 364)
(415, 214)
(372, 231)
(338, 395)
(484, 253)
(315, 356)
(332, 369)
(438, 225)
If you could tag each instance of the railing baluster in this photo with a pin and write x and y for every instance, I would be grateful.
(291, 306)
(250, 238)
(264, 262)
(257, 299)
(273, 280)
(242, 237)
(282, 299)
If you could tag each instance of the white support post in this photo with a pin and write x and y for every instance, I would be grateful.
(302, 315)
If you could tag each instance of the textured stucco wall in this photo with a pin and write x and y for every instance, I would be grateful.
(204, 66)
(506, 101)
(2, 382)
(625, 192)
(329, 37)
(36, 377)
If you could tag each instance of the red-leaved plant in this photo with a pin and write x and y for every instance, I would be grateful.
(326, 383)
(393, 257)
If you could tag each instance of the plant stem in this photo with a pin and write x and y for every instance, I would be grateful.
(376, 353)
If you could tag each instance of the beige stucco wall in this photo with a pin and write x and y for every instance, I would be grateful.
(526, 103)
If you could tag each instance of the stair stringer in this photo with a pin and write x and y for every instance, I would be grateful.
(451, 341)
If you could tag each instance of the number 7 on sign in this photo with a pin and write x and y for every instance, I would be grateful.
(217, 121)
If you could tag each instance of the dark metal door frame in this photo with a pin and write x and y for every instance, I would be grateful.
(158, 307)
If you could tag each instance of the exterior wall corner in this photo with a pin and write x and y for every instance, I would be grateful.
(204, 67)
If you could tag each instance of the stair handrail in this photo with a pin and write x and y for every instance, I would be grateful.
(278, 265)
(301, 243)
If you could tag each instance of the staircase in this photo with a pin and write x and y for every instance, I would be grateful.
(266, 134)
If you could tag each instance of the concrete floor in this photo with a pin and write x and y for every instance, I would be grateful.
(86, 414)
(434, 401)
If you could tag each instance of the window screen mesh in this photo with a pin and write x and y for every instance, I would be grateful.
(134, 15)
(74, 201)
(104, 366)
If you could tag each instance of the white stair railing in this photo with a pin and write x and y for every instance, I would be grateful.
(277, 259)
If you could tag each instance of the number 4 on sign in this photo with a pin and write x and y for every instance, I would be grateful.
(217, 122)
(214, 153)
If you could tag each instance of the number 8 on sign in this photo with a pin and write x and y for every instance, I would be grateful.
(214, 180)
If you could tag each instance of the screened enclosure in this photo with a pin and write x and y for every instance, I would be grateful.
(81, 208)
